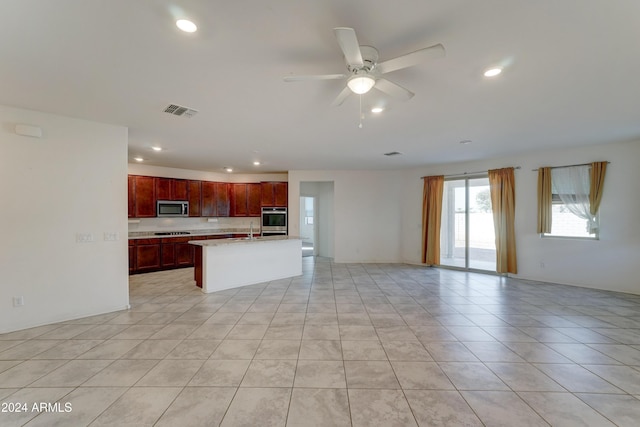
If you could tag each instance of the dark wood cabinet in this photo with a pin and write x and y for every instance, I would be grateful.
(132, 256)
(147, 255)
(245, 199)
(281, 193)
(171, 189)
(194, 193)
(164, 188)
(215, 199)
(145, 196)
(223, 204)
(131, 193)
(208, 199)
(168, 253)
(274, 194)
(238, 198)
(180, 189)
(184, 254)
(254, 199)
(156, 254)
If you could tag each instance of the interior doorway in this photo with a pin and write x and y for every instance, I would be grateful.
(308, 227)
(322, 193)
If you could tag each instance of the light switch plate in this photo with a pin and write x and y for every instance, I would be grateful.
(110, 236)
(84, 237)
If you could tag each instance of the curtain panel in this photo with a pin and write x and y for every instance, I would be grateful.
(571, 184)
(598, 171)
(544, 200)
(503, 204)
(431, 218)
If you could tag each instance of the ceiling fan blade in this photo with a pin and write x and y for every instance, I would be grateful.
(393, 89)
(410, 59)
(349, 44)
(341, 97)
(316, 77)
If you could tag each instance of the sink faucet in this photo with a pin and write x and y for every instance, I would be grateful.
(251, 230)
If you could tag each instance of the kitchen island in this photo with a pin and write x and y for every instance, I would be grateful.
(230, 263)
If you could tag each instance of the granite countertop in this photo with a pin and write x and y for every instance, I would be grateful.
(207, 232)
(257, 239)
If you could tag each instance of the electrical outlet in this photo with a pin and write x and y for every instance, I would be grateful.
(84, 237)
(110, 236)
(18, 301)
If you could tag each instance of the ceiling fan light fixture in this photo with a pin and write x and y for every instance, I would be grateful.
(492, 72)
(186, 25)
(361, 84)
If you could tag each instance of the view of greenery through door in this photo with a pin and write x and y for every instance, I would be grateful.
(467, 238)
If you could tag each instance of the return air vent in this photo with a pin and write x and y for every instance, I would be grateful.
(178, 110)
(393, 153)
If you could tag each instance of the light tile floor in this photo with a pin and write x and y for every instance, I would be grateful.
(341, 345)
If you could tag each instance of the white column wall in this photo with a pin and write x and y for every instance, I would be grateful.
(72, 180)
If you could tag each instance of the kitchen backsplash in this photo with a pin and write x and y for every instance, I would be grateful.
(186, 224)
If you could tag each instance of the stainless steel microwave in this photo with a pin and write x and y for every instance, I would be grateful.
(174, 208)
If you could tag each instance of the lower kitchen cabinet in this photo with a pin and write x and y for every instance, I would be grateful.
(184, 254)
(132, 256)
(147, 255)
(157, 254)
(168, 251)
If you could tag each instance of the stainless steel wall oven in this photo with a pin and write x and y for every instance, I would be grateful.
(274, 221)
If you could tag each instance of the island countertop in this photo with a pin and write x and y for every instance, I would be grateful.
(241, 240)
(222, 263)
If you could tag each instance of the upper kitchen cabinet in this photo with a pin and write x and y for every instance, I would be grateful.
(195, 195)
(274, 194)
(143, 199)
(238, 197)
(254, 199)
(215, 199)
(223, 201)
(131, 196)
(245, 199)
(171, 189)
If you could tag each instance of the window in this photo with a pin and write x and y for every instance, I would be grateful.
(570, 211)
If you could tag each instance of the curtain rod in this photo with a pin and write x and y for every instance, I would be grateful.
(465, 173)
(566, 166)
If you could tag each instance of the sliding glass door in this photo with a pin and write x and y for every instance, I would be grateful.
(467, 238)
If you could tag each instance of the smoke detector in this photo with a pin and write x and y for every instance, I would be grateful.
(178, 110)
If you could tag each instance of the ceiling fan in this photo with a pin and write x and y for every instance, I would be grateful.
(364, 71)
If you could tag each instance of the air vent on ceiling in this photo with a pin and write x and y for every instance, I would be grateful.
(393, 153)
(178, 110)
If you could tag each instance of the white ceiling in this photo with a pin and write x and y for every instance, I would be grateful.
(571, 78)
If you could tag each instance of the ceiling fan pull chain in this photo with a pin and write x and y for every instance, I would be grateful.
(361, 115)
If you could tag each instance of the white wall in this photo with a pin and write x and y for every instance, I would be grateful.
(610, 263)
(367, 212)
(150, 170)
(72, 180)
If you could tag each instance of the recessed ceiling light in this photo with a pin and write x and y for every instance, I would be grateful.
(377, 110)
(256, 163)
(492, 72)
(156, 148)
(186, 25)
(228, 169)
(138, 159)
